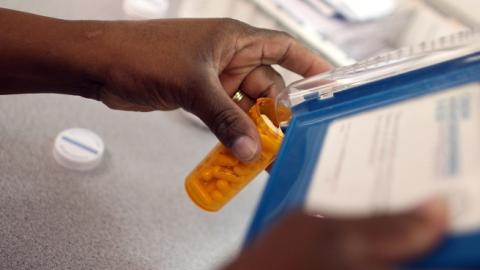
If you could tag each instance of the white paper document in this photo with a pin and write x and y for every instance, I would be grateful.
(394, 157)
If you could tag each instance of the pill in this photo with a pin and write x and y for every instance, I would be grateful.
(210, 186)
(225, 160)
(223, 185)
(226, 175)
(217, 195)
(241, 170)
(206, 175)
(210, 172)
(198, 191)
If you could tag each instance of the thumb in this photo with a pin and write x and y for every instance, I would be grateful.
(404, 236)
(226, 120)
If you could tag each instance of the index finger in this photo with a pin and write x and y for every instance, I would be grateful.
(282, 49)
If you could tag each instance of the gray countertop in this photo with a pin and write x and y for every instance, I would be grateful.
(131, 212)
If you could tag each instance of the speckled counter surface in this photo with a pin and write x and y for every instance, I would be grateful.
(131, 212)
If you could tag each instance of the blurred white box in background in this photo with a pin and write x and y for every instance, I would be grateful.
(342, 31)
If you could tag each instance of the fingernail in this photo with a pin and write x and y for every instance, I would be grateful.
(244, 148)
(432, 208)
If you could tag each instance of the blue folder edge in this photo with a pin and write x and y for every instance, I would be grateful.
(291, 175)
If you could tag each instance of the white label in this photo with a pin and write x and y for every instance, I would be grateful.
(394, 157)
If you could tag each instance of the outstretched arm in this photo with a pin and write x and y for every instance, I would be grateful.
(196, 64)
(46, 55)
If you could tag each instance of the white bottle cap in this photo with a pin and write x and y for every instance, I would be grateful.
(78, 149)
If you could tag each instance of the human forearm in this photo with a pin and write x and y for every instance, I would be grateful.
(196, 64)
(45, 55)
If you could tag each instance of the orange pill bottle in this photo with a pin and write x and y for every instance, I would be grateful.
(220, 176)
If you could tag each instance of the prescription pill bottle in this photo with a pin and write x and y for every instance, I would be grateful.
(220, 176)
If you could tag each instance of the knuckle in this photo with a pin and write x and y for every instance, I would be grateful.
(229, 24)
(282, 34)
(224, 30)
(228, 21)
(286, 35)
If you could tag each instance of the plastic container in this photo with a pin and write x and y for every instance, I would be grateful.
(377, 83)
(220, 176)
(428, 53)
